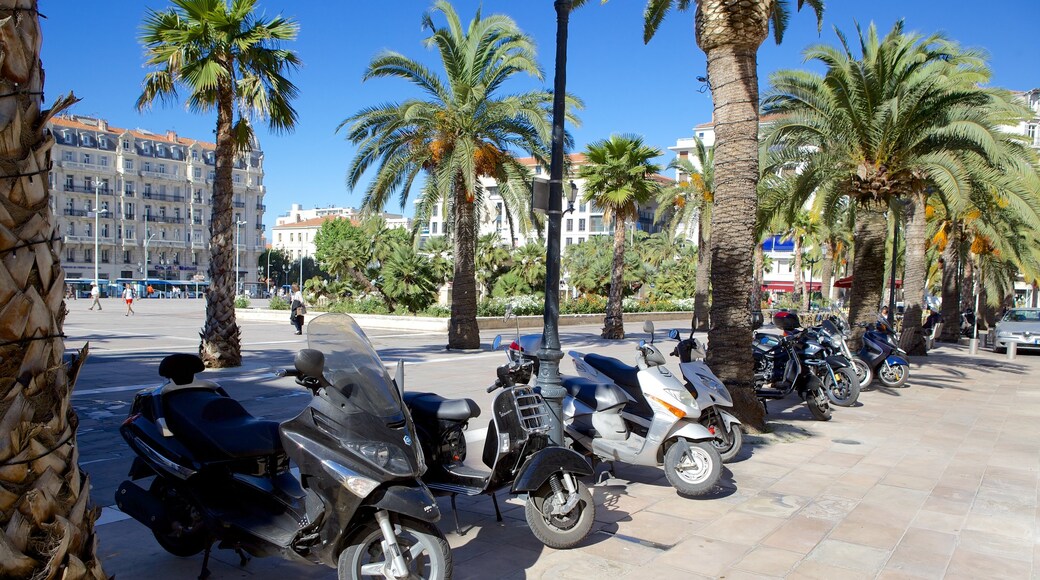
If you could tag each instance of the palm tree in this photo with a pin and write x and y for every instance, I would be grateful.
(492, 261)
(529, 264)
(730, 34)
(877, 129)
(618, 177)
(439, 251)
(690, 201)
(465, 129)
(229, 59)
(47, 522)
(409, 278)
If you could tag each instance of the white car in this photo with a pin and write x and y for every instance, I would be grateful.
(1020, 326)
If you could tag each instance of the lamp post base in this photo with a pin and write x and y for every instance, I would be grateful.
(550, 386)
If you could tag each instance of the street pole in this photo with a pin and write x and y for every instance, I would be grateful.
(809, 291)
(238, 239)
(550, 354)
(267, 272)
(97, 216)
(146, 240)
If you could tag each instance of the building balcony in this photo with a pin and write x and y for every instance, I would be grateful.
(87, 240)
(162, 175)
(167, 243)
(239, 204)
(162, 196)
(261, 207)
(163, 219)
(90, 190)
(261, 227)
(96, 168)
(75, 212)
(128, 216)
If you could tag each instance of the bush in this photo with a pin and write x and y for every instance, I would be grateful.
(241, 302)
(368, 304)
(588, 304)
(437, 311)
(278, 303)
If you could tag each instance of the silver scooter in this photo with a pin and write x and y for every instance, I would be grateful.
(662, 425)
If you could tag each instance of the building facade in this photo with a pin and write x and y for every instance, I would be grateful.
(144, 199)
(294, 230)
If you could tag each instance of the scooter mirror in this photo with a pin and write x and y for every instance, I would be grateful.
(508, 313)
(648, 326)
(311, 363)
(673, 334)
(496, 343)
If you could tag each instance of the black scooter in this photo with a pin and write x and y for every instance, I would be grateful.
(559, 508)
(218, 474)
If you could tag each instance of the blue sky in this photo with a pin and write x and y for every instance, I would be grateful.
(91, 48)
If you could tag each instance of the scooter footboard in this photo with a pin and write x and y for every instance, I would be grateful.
(536, 470)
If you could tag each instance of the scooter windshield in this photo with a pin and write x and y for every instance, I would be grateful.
(353, 367)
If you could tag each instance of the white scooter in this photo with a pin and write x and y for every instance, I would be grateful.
(662, 426)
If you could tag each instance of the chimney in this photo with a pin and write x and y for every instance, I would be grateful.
(102, 124)
(172, 136)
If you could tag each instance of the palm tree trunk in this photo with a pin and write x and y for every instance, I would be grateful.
(47, 522)
(703, 279)
(613, 325)
(221, 337)
(951, 313)
(967, 279)
(734, 81)
(797, 288)
(869, 260)
(463, 332)
(915, 275)
(756, 289)
(827, 270)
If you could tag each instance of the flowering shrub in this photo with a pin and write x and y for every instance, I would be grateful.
(278, 303)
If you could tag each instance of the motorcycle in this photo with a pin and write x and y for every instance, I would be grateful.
(796, 363)
(864, 372)
(642, 415)
(218, 474)
(842, 380)
(711, 396)
(882, 353)
(559, 508)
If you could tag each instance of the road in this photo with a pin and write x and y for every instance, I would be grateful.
(125, 352)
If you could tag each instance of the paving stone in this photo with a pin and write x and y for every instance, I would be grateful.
(851, 556)
(969, 564)
(771, 504)
(873, 535)
(701, 555)
(799, 534)
(768, 561)
(743, 528)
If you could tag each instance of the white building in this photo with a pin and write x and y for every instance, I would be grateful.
(295, 229)
(1031, 129)
(154, 195)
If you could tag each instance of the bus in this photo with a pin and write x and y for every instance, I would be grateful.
(81, 287)
(164, 288)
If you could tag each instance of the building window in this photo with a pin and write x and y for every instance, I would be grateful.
(436, 209)
(88, 184)
(126, 144)
(127, 257)
(69, 183)
(1031, 133)
(194, 155)
(162, 168)
(194, 259)
(70, 255)
(148, 189)
(86, 158)
(147, 166)
(568, 242)
(104, 256)
(197, 172)
(68, 156)
(128, 164)
(88, 255)
(433, 227)
(103, 160)
(291, 237)
(570, 225)
(102, 142)
(581, 224)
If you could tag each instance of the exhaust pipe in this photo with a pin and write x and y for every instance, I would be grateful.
(141, 505)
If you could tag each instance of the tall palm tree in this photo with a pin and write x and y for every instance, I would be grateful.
(690, 201)
(877, 128)
(229, 59)
(730, 34)
(529, 264)
(47, 522)
(468, 127)
(491, 260)
(439, 251)
(619, 176)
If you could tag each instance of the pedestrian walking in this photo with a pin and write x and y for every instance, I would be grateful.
(298, 308)
(128, 296)
(95, 296)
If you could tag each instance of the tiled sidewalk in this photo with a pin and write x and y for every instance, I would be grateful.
(935, 480)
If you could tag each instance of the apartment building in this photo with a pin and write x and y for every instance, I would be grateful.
(294, 230)
(149, 195)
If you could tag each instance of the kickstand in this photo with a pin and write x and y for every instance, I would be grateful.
(243, 559)
(205, 563)
(455, 512)
(494, 500)
(606, 474)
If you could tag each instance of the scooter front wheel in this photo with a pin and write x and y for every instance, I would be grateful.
(560, 531)
(843, 388)
(424, 548)
(893, 376)
(818, 405)
(695, 472)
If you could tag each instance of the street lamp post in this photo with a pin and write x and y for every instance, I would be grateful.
(550, 354)
(811, 262)
(146, 240)
(97, 216)
(238, 236)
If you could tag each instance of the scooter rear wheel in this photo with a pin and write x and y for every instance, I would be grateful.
(863, 372)
(695, 473)
(727, 451)
(186, 533)
(423, 545)
(560, 531)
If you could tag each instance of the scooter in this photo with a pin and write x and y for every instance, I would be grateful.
(641, 415)
(559, 508)
(711, 396)
(786, 364)
(839, 326)
(882, 353)
(840, 378)
(218, 474)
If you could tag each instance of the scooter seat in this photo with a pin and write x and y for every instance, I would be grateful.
(217, 427)
(618, 371)
(599, 396)
(434, 406)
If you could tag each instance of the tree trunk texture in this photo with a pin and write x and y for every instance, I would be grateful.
(46, 518)
(463, 332)
(732, 69)
(797, 287)
(756, 288)
(613, 324)
(701, 290)
(869, 280)
(951, 313)
(827, 271)
(967, 278)
(1035, 297)
(915, 276)
(987, 313)
(221, 345)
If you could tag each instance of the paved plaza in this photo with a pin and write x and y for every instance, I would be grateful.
(938, 479)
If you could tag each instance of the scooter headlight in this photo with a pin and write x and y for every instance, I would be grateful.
(358, 484)
(683, 396)
(381, 455)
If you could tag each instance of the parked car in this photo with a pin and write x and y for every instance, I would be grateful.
(1020, 326)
